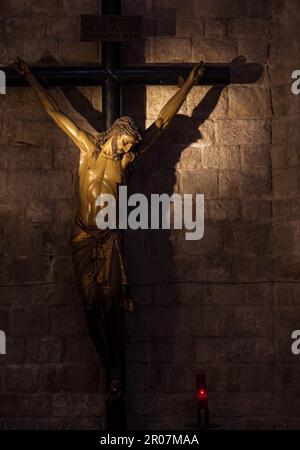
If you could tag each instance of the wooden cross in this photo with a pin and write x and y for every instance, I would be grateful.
(112, 77)
(111, 28)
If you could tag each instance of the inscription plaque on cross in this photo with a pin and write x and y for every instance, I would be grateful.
(111, 29)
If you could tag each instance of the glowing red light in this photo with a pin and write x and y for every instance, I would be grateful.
(201, 394)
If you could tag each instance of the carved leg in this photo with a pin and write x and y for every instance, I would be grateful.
(116, 331)
(96, 324)
(115, 322)
(106, 326)
(106, 329)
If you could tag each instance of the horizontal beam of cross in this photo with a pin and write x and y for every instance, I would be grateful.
(147, 74)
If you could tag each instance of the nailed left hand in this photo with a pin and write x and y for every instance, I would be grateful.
(197, 73)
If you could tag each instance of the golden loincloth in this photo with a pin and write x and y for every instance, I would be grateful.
(92, 252)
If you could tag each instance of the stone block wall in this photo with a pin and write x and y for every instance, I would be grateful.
(225, 305)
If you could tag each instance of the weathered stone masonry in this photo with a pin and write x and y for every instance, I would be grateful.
(225, 305)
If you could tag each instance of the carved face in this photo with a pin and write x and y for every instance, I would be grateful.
(125, 142)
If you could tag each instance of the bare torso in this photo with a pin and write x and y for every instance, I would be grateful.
(96, 177)
(105, 174)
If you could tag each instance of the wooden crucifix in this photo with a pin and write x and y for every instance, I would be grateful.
(98, 254)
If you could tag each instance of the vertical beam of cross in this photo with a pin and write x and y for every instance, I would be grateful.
(116, 417)
(111, 91)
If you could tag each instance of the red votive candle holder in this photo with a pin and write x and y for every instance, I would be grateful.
(202, 401)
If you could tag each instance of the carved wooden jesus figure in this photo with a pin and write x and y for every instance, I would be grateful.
(98, 254)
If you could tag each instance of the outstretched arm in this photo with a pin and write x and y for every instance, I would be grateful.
(81, 139)
(170, 109)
